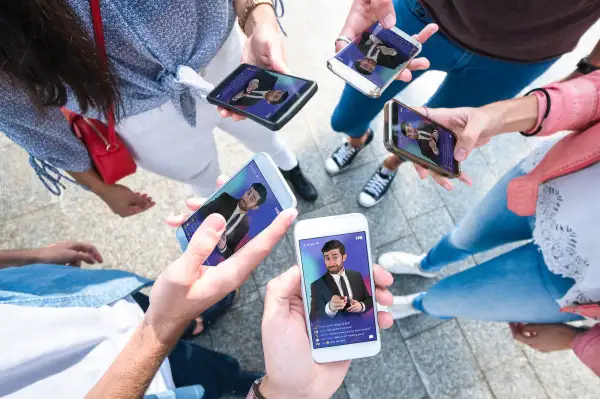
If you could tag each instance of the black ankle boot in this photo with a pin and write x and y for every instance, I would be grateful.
(301, 185)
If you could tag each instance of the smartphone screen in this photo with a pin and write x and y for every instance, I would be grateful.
(338, 289)
(423, 138)
(248, 205)
(378, 54)
(264, 94)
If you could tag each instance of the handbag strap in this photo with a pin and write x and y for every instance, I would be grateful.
(101, 47)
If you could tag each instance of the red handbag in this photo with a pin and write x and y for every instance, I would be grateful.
(111, 157)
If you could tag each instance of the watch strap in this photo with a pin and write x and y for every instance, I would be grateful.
(585, 67)
(249, 6)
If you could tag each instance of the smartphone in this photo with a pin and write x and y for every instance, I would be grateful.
(249, 202)
(267, 97)
(338, 289)
(415, 137)
(374, 59)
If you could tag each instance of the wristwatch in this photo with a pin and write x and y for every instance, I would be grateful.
(255, 391)
(585, 67)
(249, 6)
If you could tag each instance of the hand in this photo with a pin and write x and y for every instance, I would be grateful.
(355, 307)
(337, 303)
(70, 253)
(474, 128)
(544, 337)
(433, 146)
(285, 337)
(264, 47)
(364, 13)
(125, 202)
(187, 288)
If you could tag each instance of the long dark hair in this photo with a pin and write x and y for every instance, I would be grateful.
(45, 48)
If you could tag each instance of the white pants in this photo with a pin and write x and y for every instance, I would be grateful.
(162, 142)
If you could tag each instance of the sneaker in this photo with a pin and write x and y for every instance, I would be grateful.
(376, 188)
(403, 306)
(343, 156)
(404, 263)
(301, 185)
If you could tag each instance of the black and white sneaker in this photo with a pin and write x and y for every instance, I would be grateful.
(343, 156)
(376, 187)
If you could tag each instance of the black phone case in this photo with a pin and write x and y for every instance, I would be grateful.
(271, 125)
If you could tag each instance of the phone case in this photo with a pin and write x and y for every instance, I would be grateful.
(271, 125)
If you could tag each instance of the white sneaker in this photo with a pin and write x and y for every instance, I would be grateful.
(403, 306)
(404, 263)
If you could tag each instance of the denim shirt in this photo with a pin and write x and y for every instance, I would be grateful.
(46, 285)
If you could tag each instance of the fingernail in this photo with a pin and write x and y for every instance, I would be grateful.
(461, 154)
(216, 222)
(448, 186)
(389, 21)
(293, 215)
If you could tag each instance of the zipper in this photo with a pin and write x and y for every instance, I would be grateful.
(95, 129)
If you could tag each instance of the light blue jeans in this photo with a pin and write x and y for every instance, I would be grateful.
(514, 287)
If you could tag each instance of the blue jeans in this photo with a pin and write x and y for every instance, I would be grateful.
(515, 287)
(473, 80)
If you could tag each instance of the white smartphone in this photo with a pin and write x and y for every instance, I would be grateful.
(249, 202)
(374, 59)
(338, 288)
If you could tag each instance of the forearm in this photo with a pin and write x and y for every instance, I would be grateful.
(90, 179)
(516, 115)
(131, 373)
(21, 257)
(261, 14)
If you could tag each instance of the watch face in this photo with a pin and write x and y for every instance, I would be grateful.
(585, 67)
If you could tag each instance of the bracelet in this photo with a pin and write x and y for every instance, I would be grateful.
(249, 6)
(548, 106)
(254, 391)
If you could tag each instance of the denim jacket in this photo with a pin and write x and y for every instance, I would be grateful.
(45, 285)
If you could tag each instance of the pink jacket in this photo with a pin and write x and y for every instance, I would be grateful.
(575, 105)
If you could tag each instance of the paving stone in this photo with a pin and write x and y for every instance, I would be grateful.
(431, 227)
(515, 379)
(444, 361)
(248, 294)
(492, 343)
(503, 152)
(237, 333)
(279, 260)
(390, 374)
(386, 220)
(416, 196)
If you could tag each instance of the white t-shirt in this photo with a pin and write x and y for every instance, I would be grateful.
(63, 352)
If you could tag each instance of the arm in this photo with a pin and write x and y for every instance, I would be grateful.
(63, 253)
(131, 373)
(19, 258)
(586, 346)
(263, 13)
(574, 105)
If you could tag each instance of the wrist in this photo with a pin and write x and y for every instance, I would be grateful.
(262, 14)
(166, 331)
(269, 390)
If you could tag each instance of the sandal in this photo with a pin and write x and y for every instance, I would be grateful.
(211, 315)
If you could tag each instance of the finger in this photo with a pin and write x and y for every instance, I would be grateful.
(78, 257)
(237, 117)
(419, 64)
(277, 58)
(426, 33)
(384, 11)
(465, 178)
(279, 292)
(203, 242)
(384, 297)
(530, 330)
(468, 139)
(221, 180)
(405, 75)
(442, 181)
(225, 113)
(176, 220)
(88, 248)
(421, 171)
(257, 249)
(385, 320)
(382, 277)
(194, 203)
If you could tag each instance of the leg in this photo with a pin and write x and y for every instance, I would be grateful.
(218, 373)
(514, 287)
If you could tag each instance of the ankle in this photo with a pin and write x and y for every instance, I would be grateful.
(392, 162)
(358, 142)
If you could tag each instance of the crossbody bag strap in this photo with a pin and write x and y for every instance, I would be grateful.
(101, 47)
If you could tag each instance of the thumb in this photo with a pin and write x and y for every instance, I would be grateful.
(384, 11)
(280, 290)
(277, 59)
(468, 139)
(530, 330)
(203, 242)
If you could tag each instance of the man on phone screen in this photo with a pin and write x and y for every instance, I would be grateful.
(260, 88)
(376, 53)
(339, 290)
(427, 136)
(235, 213)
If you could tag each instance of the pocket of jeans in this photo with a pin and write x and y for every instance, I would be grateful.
(418, 10)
